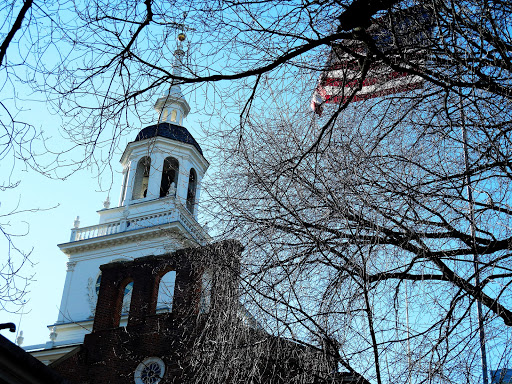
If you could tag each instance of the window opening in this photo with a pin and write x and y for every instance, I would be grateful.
(140, 188)
(127, 294)
(169, 175)
(191, 193)
(127, 298)
(166, 291)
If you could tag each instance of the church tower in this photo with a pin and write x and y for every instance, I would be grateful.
(157, 213)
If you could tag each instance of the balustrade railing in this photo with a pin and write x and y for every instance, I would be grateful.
(149, 221)
(144, 221)
(95, 231)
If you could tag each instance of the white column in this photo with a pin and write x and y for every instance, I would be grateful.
(65, 294)
(155, 174)
(198, 194)
(183, 180)
(132, 168)
(124, 184)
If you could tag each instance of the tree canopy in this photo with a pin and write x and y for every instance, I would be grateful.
(366, 227)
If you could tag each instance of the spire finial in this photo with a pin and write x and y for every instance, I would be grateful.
(172, 106)
(179, 53)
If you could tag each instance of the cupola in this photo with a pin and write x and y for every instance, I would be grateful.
(165, 160)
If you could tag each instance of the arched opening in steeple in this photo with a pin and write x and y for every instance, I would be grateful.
(169, 175)
(191, 192)
(141, 181)
(174, 113)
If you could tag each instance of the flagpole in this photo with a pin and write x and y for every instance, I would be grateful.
(408, 333)
(476, 261)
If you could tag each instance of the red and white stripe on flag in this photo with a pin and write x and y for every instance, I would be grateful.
(344, 77)
(339, 83)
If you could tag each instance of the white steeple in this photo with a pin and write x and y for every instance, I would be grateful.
(157, 213)
(172, 106)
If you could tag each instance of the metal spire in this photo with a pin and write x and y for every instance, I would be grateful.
(172, 107)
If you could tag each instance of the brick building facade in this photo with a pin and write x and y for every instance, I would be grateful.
(111, 353)
(206, 338)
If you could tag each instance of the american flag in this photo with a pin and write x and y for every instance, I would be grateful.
(406, 32)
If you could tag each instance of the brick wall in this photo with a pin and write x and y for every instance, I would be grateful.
(216, 347)
(110, 354)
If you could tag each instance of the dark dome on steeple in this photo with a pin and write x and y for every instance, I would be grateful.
(170, 131)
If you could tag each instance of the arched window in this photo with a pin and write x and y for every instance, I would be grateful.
(166, 291)
(94, 290)
(174, 113)
(126, 290)
(191, 193)
(141, 181)
(169, 175)
(127, 294)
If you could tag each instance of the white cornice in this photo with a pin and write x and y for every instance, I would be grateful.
(49, 355)
(141, 204)
(155, 141)
(129, 237)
